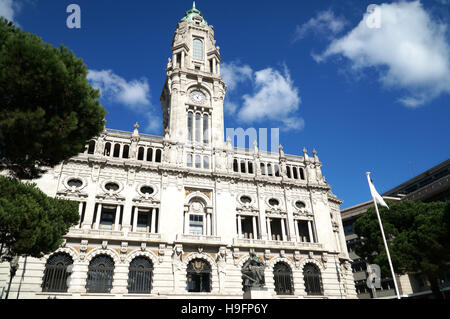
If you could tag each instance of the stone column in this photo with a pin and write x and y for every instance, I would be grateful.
(145, 153)
(153, 223)
(89, 214)
(117, 218)
(80, 212)
(269, 230)
(97, 219)
(182, 59)
(214, 65)
(297, 231)
(205, 224)
(135, 218)
(218, 68)
(283, 229)
(255, 228)
(239, 220)
(186, 221)
(311, 238)
(208, 224)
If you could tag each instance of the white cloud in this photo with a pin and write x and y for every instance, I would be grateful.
(325, 23)
(233, 74)
(134, 94)
(274, 97)
(8, 9)
(409, 51)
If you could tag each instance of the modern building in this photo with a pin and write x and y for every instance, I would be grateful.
(432, 185)
(177, 216)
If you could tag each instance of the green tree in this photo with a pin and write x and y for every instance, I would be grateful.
(48, 109)
(418, 235)
(32, 223)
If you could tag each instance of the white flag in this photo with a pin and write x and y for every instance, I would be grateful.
(377, 197)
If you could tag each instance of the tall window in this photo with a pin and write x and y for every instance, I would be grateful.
(140, 276)
(205, 129)
(91, 148)
(190, 120)
(313, 280)
(100, 274)
(282, 275)
(55, 273)
(199, 276)
(198, 49)
(197, 127)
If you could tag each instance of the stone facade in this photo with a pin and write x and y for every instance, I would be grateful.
(191, 196)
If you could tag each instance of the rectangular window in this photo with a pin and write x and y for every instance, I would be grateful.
(206, 162)
(198, 163)
(142, 222)
(196, 225)
(189, 160)
(107, 218)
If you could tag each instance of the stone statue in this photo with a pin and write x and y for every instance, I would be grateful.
(253, 272)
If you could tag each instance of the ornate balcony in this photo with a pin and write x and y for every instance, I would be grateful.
(199, 239)
(262, 243)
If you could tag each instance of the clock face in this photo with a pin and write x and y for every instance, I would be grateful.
(198, 97)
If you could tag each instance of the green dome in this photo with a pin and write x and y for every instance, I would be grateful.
(194, 12)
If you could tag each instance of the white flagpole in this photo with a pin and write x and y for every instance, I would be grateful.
(386, 246)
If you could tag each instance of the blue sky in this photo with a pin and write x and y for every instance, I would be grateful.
(367, 99)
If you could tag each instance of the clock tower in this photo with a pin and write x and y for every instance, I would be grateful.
(193, 94)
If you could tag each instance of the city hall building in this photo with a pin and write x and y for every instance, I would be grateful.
(178, 216)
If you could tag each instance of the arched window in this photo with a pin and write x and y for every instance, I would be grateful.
(100, 275)
(269, 170)
(158, 156)
(313, 280)
(294, 169)
(250, 167)
(263, 169)
(302, 174)
(140, 276)
(198, 49)
(243, 170)
(288, 171)
(190, 120)
(198, 276)
(141, 154)
(149, 154)
(235, 166)
(126, 151)
(91, 148)
(116, 150)
(282, 275)
(277, 170)
(107, 149)
(56, 274)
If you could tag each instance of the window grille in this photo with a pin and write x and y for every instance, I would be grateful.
(55, 273)
(313, 280)
(100, 275)
(283, 279)
(140, 276)
(199, 276)
(198, 49)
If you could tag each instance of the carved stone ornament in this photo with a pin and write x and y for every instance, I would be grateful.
(143, 246)
(104, 244)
